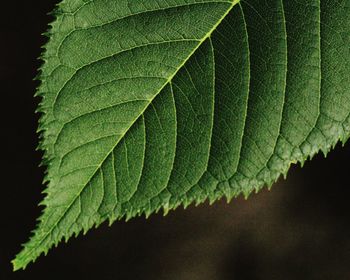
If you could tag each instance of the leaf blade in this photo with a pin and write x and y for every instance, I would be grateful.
(241, 147)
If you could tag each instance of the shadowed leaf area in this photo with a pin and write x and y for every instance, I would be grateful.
(148, 105)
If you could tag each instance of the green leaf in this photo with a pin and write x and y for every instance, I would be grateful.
(153, 104)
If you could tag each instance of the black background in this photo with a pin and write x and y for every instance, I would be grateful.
(299, 230)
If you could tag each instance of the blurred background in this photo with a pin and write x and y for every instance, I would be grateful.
(298, 230)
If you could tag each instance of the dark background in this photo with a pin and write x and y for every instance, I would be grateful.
(299, 230)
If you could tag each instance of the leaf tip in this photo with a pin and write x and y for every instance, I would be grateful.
(18, 264)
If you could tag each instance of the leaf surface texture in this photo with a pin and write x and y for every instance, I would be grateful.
(153, 104)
